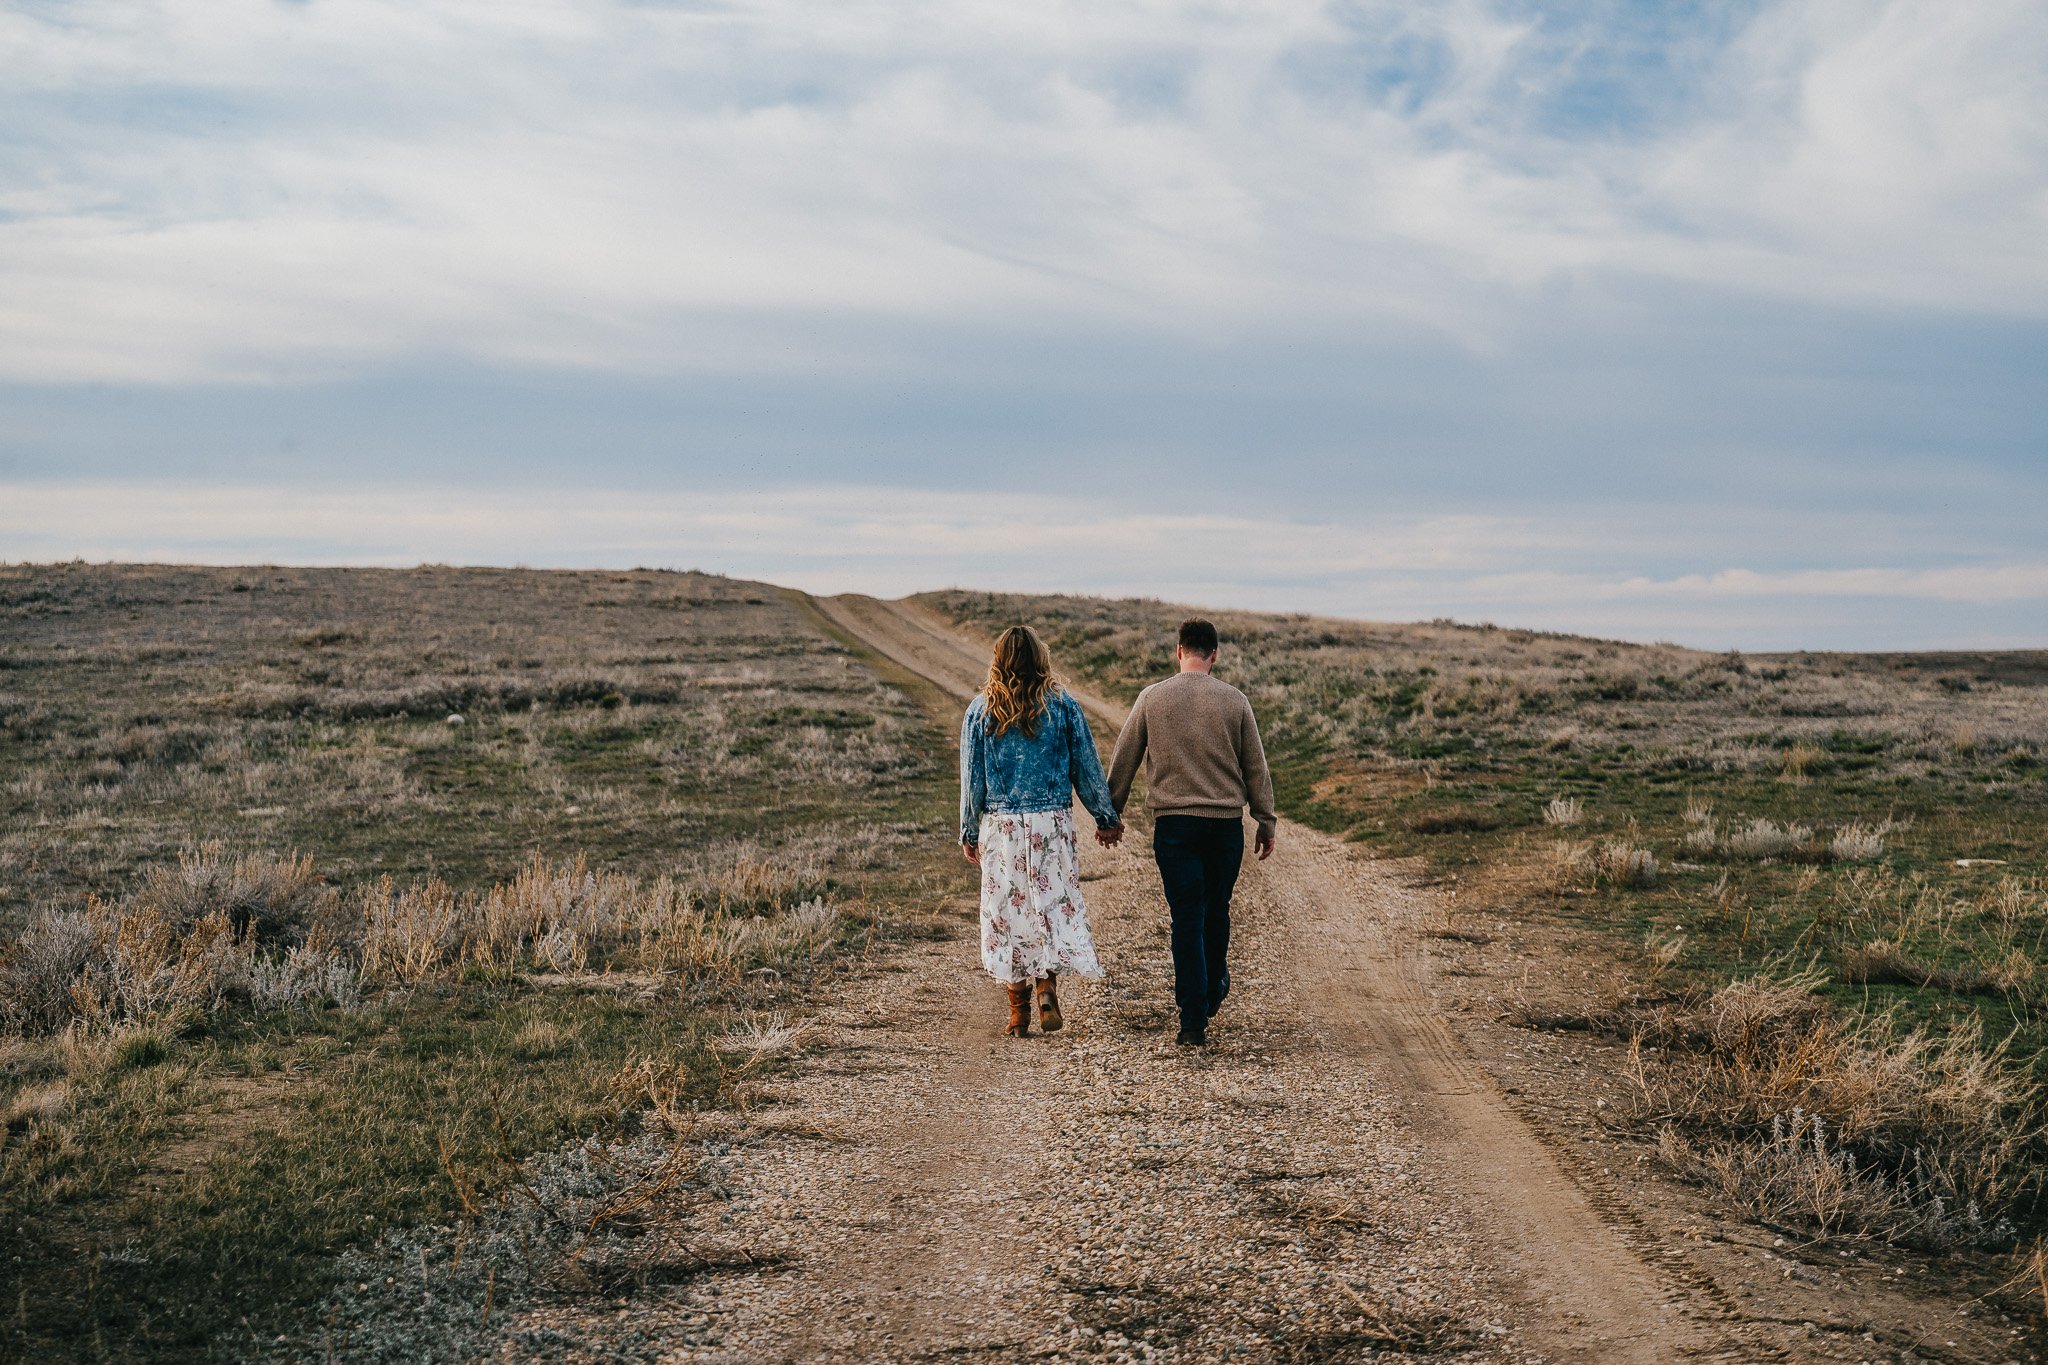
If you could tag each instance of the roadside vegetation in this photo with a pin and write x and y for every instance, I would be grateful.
(1818, 877)
(339, 907)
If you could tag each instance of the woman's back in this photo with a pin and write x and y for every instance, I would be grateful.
(1038, 768)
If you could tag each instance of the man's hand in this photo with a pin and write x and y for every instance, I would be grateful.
(972, 853)
(1111, 837)
(1262, 843)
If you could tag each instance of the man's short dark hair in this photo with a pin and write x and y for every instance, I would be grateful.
(1197, 636)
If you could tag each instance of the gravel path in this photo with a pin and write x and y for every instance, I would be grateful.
(1331, 1180)
(946, 1193)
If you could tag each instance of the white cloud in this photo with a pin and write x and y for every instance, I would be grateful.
(1999, 584)
(238, 189)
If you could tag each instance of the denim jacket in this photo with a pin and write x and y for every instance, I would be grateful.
(1016, 773)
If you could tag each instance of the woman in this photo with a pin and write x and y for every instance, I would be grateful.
(1024, 752)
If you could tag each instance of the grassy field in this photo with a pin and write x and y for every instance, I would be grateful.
(330, 896)
(1865, 833)
(628, 717)
(333, 901)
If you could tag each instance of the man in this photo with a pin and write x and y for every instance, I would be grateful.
(1203, 765)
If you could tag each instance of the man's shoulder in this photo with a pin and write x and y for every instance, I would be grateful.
(1198, 687)
(1209, 685)
(1153, 692)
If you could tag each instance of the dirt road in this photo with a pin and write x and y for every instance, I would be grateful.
(1331, 1180)
(1592, 1297)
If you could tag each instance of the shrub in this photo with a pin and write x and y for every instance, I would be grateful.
(768, 941)
(1950, 1125)
(1701, 836)
(1798, 1175)
(1563, 811)
(1570, 863)
(1620, 864)
(305, 978)
(266, 933)
(39, 969)
(1800, 759)
(1761, 839)
(275, 899)
(1857, 842)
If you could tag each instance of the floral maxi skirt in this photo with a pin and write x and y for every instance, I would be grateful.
(1033, 920)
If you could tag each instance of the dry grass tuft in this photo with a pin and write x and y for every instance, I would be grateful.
(1563, 811)
(597, 1217)
(1762, 838)
(771, 1037)
(1614, 862)
(272, 899)
(1801, 759)
(1882, 962)
(1857, 842)
(539, 1038)
(718, 924)
(191, 939)
(1617, 863)
(1907, 930)
(266, 934)
(1939, 1137)
(45, 1102)
(1798, 1177)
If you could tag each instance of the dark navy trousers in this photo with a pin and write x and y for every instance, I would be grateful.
(1198, 859)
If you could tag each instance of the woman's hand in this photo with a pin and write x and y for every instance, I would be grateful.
(1111, 837)
(971, 853)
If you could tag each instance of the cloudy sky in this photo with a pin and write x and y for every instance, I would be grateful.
(1724, 323)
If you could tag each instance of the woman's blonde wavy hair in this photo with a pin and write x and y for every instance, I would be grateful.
(1020, 678)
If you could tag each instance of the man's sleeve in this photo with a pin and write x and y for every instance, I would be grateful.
(1258, 779)
(1124, 760)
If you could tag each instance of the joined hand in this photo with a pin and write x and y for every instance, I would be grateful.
(1111, 837)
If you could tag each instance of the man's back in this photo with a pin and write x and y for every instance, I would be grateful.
(1201, 750)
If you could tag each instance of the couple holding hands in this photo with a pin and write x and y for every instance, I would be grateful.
(1026, 752)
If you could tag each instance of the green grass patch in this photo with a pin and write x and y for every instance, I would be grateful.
(333, 1128)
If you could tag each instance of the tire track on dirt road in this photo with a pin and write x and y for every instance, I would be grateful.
(1589, 1295)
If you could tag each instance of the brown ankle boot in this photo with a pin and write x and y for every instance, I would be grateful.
(1020, 1010)
(1048, 1006)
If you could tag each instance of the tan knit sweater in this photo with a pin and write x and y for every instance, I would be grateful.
(1201, 749)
